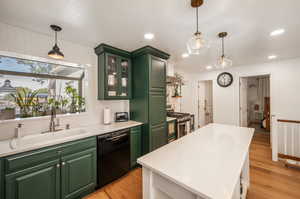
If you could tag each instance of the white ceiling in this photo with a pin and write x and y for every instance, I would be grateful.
(122, 23)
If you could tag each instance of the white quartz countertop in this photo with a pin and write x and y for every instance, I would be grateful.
(207, 162)
(90, 130)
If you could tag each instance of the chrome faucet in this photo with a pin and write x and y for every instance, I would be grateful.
(53, 125)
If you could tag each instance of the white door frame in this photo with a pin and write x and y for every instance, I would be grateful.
(198, 99)
(273, 119)
(240, 104)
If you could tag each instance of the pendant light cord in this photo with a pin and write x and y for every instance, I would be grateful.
(55, 37)
(197, 16)
(223, 50)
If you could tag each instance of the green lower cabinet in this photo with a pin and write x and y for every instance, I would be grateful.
(65, 171)
(78, 172)
(2, 179)
(135, 145)
(42, 181)
(158, 136)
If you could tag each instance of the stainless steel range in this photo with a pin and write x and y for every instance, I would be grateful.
(185, 122)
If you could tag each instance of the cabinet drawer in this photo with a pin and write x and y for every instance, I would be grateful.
(136, 129)
(79, 145)
(29, 159)
(32, 158)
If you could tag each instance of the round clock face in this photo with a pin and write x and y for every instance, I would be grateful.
(225, 79)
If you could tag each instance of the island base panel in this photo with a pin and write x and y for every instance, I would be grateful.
(157, 187)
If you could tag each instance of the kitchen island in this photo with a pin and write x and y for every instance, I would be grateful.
(212, 162)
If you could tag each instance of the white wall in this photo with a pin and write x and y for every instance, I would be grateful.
(21, 41)
(284, 86)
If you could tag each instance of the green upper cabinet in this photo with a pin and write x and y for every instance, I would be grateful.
(114, 73)
(157, 74)
(148, 104)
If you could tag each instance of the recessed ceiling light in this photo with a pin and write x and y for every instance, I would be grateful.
(149, 36)
(185, 55)
(208, 67)
(277, 32)
(272, 57)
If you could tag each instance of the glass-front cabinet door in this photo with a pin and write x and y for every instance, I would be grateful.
(114, 73)
(125, 76)
(111, 76)
(117, 77)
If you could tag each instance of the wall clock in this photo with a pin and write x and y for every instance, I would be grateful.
(224, 79)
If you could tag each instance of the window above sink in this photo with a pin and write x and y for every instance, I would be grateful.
(30, 86)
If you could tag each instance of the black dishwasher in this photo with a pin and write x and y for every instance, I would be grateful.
(113, 156)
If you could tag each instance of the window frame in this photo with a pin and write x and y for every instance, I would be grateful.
(81, 80)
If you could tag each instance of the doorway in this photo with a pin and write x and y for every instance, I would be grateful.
(255, 103)
(205, 103)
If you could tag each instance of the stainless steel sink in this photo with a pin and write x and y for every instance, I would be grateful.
(46, 137)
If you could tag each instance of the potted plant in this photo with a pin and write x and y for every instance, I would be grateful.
(7, 113)
(77, 103)
(178, 83)
(25, 99)
(63, 104)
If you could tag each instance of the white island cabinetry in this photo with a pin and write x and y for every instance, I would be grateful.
(210, 163)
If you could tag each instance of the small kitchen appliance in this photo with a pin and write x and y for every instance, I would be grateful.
(121, 117)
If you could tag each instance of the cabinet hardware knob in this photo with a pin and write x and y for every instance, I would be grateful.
(58, 165)
(63, 163)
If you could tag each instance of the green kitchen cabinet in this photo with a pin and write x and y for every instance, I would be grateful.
(78, 173)
(63, 171)
(114, 73)
(135, 145)
(41, 181)
(148, 104)
(1, 179)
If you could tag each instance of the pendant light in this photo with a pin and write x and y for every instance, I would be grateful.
(223, 61)
(55, 52)
(196, 43)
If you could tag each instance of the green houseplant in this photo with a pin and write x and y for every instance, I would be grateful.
(7, 113)
(77, 103)
(25, 100)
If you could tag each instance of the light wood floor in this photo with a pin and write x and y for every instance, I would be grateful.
(269, 180)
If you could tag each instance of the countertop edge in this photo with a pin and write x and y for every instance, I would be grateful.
(71, 138)
(190, 188)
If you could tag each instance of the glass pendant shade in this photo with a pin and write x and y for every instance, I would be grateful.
(224, 62)
(56, 53)
(196, 44)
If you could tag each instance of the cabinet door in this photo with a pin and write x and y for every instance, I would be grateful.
(42, 181)
(157, 74)
(158, 136)
(135, 145)
(125, 78)
(157, 120)
(78, 172)
(1, 178)
(157, 107)
(112, 79)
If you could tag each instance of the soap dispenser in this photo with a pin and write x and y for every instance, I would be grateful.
(18, 132)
